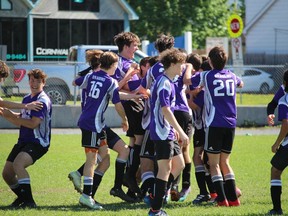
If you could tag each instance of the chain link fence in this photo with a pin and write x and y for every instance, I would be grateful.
(258, 79)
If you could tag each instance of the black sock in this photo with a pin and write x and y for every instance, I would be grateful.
(276, 191)
(200, 178)
(218, 184)
(119, 172)
(87, 185)
(135, 161)
(170, 180)
(230, 189)
(160, 190)
(17, 190)
(97, 178)
(186, 176)
(26, 192)
(209, 183)
(80, 170)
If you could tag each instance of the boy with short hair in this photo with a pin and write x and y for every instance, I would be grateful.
(164, 128)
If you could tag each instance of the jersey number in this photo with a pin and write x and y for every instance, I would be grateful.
(228, 85)
(95, 91)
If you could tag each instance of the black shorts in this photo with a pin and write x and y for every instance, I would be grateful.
(92, 139)
(166, 149)
(280, 159)
(134, 112)
(35, 150)
(219, 139)
(112, 137)
(199, 137)
(147, 147)
(184, 119)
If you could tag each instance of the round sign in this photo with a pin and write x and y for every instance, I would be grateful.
(235, 26)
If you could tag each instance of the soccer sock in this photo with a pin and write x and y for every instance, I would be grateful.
(170, 180)
(209, 183)
(175, 183)
(97, 178)
(160, 190)
(129, 161)
(230, 187)
(25, 188)
(186, 176)
(80, 170)
(16, 189)
(200, 178)
(218, 184)
(135, 161)
(276, 191)
(119, 172)
(148, 180)
(88, 184)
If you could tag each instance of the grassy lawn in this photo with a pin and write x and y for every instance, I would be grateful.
(55, 194)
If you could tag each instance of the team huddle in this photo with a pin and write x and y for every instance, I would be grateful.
(164, 102)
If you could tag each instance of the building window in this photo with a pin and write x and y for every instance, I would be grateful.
(79, 5)
(5, 5)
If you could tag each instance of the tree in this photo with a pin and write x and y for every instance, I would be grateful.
(205, 18)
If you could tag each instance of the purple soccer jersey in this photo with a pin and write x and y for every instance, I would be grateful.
(220, 97)
(163, 94)
(147, 82)
(283, 114)
(279, 93)
(122, 68)
(79, 82)
(100, 88)
(181, 103)
(41, 134)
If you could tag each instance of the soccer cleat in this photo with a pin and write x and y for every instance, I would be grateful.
(75, 177)
(275, 212)
(157, 213)
(89, 202)
(118, 192)
(148, 200)
(234, 203)
(175, 196)
(131, 183)
(28, 205)
(17, 203)
(200, 198)
(223, 203)
(184, 193)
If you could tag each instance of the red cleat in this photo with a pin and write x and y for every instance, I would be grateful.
(223, 203)
(234, 203)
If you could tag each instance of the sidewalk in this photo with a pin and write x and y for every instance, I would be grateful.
(239, 131)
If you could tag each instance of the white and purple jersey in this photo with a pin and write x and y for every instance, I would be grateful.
(283, 114)
(100, 88)
(181, 103)
(79, 82)
(147, 82)
(122, 68)
(163, 95)
(41, 134)
(220, 97)
(198, 115)
(279, 93)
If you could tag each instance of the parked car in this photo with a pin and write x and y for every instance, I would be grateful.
(255, 80)
(59, 74)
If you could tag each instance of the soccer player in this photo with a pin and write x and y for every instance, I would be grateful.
(127, 43)
(162, 43)
(273, 104)
(164, 126)
(280, 161)
(100, 88)
(33, 141)
(220, 122)
(4, 73)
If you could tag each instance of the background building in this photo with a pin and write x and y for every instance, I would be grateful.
(45, 29)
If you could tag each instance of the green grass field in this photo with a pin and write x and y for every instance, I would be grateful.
(55, 195)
